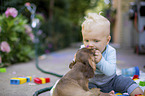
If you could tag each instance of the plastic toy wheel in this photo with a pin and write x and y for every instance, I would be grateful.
(137, 50)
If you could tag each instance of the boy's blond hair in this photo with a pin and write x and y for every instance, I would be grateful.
(95, 19)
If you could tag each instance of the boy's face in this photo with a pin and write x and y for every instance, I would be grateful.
(96, 37)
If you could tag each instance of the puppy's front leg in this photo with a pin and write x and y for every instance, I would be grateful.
(95, 91)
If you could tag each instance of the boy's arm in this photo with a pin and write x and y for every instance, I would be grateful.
(108, 65)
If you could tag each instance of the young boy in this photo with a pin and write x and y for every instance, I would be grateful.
(96, 35)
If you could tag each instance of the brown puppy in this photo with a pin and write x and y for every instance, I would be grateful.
(75, 82)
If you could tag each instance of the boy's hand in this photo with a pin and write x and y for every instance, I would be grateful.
(98, 56)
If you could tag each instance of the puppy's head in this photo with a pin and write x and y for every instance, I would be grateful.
(86, 57)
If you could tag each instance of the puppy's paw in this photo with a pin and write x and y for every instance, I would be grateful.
(95, 91)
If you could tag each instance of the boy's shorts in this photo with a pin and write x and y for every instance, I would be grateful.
(118, 84)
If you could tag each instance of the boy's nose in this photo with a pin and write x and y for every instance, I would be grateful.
(91, 45)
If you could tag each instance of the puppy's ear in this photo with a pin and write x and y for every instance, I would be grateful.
(72, 64)
(89, 72)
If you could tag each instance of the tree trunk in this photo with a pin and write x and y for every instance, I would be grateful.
(51, 10)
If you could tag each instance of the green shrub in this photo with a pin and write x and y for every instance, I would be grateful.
(14, 32)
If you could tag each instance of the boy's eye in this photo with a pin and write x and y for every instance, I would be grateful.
(87, 40)
(96, 40)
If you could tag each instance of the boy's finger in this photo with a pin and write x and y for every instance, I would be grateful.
(96, 54)
(96, 57)
(97, 51)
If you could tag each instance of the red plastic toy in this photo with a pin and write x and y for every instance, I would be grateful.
(47, 80)
(135, 77)
(41, 80)
(138, 95)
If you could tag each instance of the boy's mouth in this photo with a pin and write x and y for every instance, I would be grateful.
(91, 47)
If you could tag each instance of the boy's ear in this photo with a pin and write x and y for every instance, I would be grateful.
(108, 39)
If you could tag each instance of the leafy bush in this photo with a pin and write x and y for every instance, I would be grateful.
(15, 38)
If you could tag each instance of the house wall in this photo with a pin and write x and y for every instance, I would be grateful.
(123, 30)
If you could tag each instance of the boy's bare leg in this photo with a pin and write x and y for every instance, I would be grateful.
(136, 91)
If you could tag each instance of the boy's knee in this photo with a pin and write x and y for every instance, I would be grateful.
(124, 84)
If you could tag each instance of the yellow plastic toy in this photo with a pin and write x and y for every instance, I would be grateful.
(17, 81)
